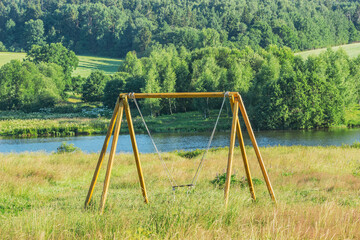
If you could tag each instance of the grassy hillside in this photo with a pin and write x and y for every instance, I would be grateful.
(353, 50)
(89, 63)
(6, 57)
(86, 63)
(42, 197)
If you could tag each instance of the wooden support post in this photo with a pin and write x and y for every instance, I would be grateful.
(111, 157)
(231, 151)
(256, 148)
(102, 153)
(135, 149)
(243, 152)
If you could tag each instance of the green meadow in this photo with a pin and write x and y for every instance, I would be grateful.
(317, 189)
(353, 50)
(86, 63)
(91, 63)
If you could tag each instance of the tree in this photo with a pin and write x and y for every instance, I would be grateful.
(152, 85)
(113, 88)
(27, 86)
(55, 53)
(209, 38)
(77, 83)
(2, 47)
(169, 84)
(34, 33)
(93, 88)
(131, 65)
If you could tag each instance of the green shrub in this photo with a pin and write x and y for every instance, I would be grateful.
(356, 144)
(2, 47)
(93, 88)
(219, 181)
(66, 148)
(113, 88)
(190, 154)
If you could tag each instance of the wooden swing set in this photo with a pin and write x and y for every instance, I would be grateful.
(122, 104)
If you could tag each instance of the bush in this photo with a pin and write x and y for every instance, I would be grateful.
(28, 86)
(113, 88)
(2, 47)
(93, 88)
(77, 83)
(356, 144)
(190, 154)
(67, 148)
(219, 180)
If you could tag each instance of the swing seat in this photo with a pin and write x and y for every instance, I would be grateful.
(180, 186)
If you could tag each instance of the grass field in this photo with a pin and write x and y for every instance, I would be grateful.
(353, 50)
(6, 57)
(89, 63)
(86, 63)
(317, 188)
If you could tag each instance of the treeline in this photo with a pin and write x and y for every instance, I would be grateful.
(115, 27)
(280, 90)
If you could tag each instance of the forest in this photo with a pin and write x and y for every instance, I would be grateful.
(115, 27)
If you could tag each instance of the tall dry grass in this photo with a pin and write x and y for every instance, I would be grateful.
(318, 192)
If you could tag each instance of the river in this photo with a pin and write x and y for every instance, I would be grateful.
(167, 142)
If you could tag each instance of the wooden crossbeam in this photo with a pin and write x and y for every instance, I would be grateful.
(179, 95)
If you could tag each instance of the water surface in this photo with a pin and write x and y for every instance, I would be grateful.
(185, 141)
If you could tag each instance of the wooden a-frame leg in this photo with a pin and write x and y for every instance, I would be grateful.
(231, 152)
(256, 148)
(135, 149)
(243, 153)
(102, 153)
(111, 157)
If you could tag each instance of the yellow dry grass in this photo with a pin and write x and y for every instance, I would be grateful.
(318, 192)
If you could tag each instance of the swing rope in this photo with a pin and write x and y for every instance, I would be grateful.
(209, 143)
(170, 177)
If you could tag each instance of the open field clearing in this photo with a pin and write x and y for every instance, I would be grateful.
(353, 50)
(318, 192)
(89, 63)
(6, 57)
(86, 63)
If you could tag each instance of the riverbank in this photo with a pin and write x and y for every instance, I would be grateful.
(75, 124)
(95, 121)
(317, 188)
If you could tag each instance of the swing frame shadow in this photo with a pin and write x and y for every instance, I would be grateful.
(122, 104)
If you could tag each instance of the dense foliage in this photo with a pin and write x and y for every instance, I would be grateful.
(114, 27)
(40, 80)
(93, 88)
(29, 86)
(55, 53)
(281, 90)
